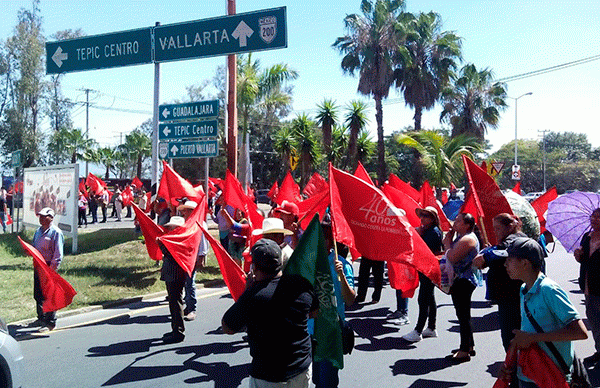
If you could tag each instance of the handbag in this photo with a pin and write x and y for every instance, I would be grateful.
(447, 275)
(347, 336)
(579, 376)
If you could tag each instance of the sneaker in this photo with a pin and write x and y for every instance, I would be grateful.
(394, 315)
(36, 323)
(172, 338)
(46, 328)
(190, 316)
(429, 333)
(401, 321)
(413, 336)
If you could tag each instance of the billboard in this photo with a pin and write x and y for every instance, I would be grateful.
(55, 187)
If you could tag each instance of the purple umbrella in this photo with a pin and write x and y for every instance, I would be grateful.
(569, 217)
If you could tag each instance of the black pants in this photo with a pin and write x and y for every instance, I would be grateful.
(94, 211)
(175, 294)
(427, 305)
(461, 292)
(103, 213)
(364, 271)
(82, 217)
(509, 315)
(48, 318)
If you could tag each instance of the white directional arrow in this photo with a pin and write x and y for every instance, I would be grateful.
(242, 32)
(166, 113)
(174, 150)
(59, 57)
(166, 131)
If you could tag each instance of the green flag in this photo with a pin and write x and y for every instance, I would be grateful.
(310, 260)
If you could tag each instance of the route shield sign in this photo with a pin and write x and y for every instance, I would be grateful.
(189, 111)
(240, 33)
(191, 129)
(117, 49)
(189, 149)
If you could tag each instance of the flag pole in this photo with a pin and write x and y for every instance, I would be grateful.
(483, 231)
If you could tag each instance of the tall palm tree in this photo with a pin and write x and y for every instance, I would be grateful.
(138, 146)
(75, 143)
(107, 157)
(365, 147)
(440, 154)
(474, 102)
(306, 145)
(356, 120)
(371, 48)
(339, 146)
(432, 60)
(327, 116)
(284, 143)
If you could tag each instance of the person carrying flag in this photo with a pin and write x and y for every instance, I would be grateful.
(49, 241)
(275, 309)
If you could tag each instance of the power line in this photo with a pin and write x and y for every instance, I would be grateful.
(550, 69)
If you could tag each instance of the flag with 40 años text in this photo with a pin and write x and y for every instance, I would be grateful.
(365, 219)
(58, 293)
(310, 260)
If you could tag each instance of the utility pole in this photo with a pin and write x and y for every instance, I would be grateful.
(87, 120)
(543, 132)
(232, 124)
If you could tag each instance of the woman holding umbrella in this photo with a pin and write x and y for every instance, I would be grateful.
(588, 254)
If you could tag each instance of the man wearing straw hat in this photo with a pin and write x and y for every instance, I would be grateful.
(273, 229)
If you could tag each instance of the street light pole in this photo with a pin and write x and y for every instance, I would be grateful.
(516, 104)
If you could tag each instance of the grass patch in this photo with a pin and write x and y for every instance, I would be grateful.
(112, 264)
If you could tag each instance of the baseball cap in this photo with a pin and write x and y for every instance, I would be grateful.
(46, 212)
(526, 248)
(266, 256)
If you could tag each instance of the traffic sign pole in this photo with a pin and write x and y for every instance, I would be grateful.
(154, 167)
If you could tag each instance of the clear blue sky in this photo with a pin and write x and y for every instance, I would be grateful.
(511, 37)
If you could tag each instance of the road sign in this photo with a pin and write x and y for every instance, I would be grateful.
(189, 111)
(189, 149)
(516, 172)
(116, 49)
(15, 159)
(498, 166)
(192, 129)
(240, 33)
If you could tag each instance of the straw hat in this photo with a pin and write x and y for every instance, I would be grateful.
(429, 211)
(175, 221)
(272, 225)
(187, 205)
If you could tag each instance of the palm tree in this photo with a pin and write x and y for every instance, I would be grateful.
(371, 48)
(284, 143)
(440, 154)
(75, 143)
(356, 120)
(138, 146)
(432, 59)
(474, 102)
(107, 157)
(365, 147)
(327, 118)
(339, 146)
(306, 144)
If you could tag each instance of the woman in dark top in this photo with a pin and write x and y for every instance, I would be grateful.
(430, 232)
(588, 254)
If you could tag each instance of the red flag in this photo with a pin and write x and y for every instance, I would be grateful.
(9, 219)
(233, 275)
(361, 173)
(483, 166)
(83, 189)
(173, 186)
(233, 192)
(96, 184)
(127, 196)
(517, 188)
(58, 293)
(428, 199)
(148, 202)
(316, 203)
(316, 184)
(136, 182)
(487, 196)
(444, 197)
(364, 218)
(402, 201)
(452, 186)
(406, 188)
(288, 191)
(539, 367)
(273, 192)
(151, 231)
(540, 204)
(403, 277)
(183, 242)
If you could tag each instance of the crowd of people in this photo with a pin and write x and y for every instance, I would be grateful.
(121, 198)
(277, 311)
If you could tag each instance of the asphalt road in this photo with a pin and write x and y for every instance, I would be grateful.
(121, 346)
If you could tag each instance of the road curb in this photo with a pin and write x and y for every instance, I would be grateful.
(117, 303)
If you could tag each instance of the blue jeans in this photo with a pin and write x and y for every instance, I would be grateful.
(401, 302)
(190, 294)
(325, 375)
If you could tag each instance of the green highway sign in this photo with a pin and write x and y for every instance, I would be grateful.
(15, 158)
(240, 33)
(185, 129)
(189, 149)
(189, 111)
(123, 48)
